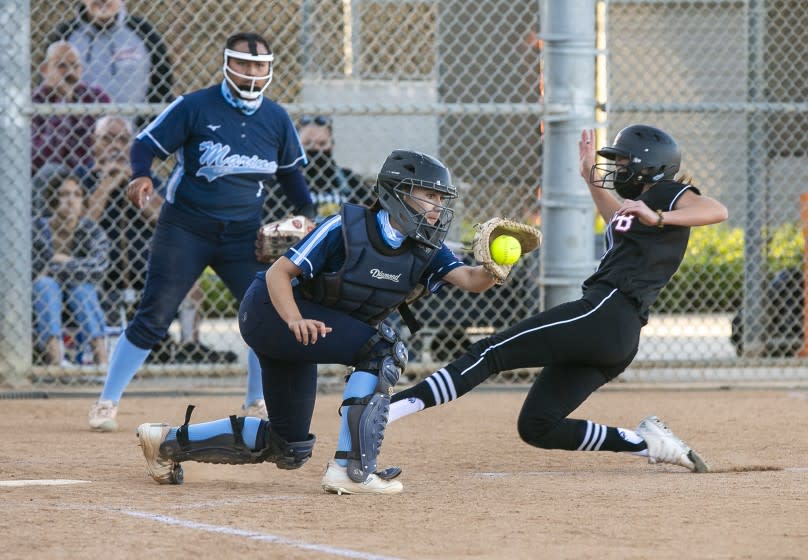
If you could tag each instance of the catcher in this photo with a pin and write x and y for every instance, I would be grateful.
(325, 301)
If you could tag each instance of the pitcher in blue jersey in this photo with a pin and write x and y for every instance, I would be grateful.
(228, 140)
(325, 301)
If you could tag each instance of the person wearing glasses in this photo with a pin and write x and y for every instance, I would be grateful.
(229, 141)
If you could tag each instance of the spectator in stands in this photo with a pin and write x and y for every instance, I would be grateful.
(128, 230)
(69, 259)
(63, 139)
(330, 184)
(120, 51)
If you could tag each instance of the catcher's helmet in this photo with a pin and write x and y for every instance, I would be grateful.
(652, 155)
(253, 39)
(403, 170)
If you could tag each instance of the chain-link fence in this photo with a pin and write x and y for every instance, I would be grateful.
(461, 80)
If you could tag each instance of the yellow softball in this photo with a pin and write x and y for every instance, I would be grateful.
(505, 249)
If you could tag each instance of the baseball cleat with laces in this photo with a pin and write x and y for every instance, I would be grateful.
(665, 447)
(336, 481)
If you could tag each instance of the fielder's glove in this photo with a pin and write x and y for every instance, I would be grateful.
(275, 238)
(529, 238)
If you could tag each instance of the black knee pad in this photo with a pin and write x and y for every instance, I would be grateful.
(385, 355)
(285, 454)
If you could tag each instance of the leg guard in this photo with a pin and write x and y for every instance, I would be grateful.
(230, 448)
(367, 416)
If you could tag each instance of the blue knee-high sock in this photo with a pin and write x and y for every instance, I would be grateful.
(125, 361)
(360, 384)
(206, 430)
(255, 387)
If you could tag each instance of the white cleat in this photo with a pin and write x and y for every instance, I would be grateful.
(337, 481)
(102, 416)
(161, 469)
(665, 447)
(256, 409)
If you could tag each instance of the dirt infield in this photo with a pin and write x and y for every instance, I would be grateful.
(471, 488)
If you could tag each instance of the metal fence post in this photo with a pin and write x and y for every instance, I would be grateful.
(568, 31)
(15, 194)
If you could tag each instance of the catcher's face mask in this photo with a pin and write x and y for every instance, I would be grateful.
(249, 74)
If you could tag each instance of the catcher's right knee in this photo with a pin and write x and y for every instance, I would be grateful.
(385, 356)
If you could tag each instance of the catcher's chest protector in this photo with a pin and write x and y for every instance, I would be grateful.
(375, 278)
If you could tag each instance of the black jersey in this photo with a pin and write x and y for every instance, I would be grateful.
(639, 259)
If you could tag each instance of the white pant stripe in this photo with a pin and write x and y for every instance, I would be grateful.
(540, 327)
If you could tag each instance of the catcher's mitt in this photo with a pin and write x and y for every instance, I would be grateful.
(529, 238)
(275, 238)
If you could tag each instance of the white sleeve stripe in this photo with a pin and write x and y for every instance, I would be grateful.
(160, 118)
(315, 239)
(295, 163)
(678, 195)
(300, 260)
(154, 140)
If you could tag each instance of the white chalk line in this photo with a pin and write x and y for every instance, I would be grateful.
(40, 482)
(495, 475)
(235, 502)
(253, 535)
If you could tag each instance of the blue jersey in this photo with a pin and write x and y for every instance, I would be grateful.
(224, 157)
(323, 251)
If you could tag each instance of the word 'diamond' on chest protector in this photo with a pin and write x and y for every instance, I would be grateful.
(384, 355)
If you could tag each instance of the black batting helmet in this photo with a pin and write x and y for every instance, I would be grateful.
(652, 155)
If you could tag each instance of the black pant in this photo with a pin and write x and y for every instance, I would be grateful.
(581, 345)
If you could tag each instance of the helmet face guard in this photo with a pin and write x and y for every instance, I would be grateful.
(651, 154)
(414, 220)
(253, 92)
(402, 173)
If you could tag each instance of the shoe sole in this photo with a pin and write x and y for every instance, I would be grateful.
(175, 476)
(106, 426)
(339, 490)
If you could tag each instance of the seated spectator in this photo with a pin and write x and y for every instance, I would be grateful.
(63, 139)
(128, 229)
(329, 184)
(68, 262)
